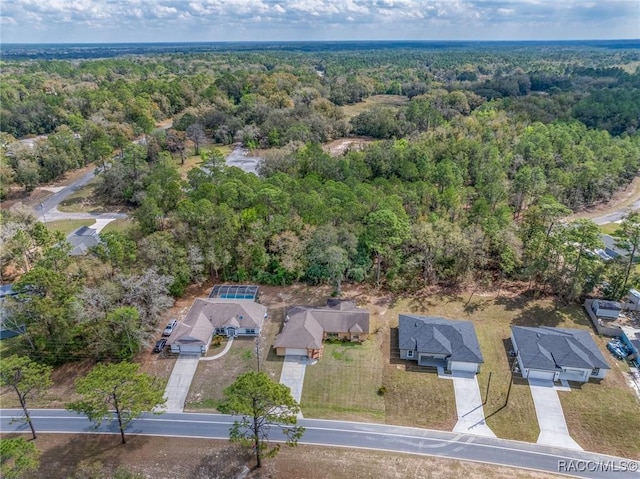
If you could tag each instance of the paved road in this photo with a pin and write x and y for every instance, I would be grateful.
(616, 215)
(351, 435)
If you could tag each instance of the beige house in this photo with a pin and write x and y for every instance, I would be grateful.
(306, 327)
(209, 317)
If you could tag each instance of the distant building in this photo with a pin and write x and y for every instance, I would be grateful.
(82, 239)
(606, 309)
(610, 249)
(7, 331)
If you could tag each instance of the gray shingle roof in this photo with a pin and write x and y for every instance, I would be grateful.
(431, 335)
(554, 348)
(82, 239)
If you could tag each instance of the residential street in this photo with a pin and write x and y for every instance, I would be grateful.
(353, 435)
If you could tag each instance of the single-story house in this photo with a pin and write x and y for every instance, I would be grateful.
(209, 317)
(557, 353)
(8, 330)
(82, 239)
(439, 342)
(611, 249)
(306, 327)
(606, 309)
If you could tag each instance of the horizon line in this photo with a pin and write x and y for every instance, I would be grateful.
(324, 41)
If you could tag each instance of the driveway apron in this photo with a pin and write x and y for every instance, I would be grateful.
(180, 381)
(293, 370)
(553, 427)
(469, 405)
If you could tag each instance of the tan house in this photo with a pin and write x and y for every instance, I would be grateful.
(306, 327)
(209, 317)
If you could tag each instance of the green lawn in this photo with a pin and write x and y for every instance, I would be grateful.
(344, 383)
(67, 226)
(609, 228)
(121, 225)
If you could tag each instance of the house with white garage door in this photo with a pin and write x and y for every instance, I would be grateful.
(306, 327)
(439, 342)
(208, 317)
(557, 353)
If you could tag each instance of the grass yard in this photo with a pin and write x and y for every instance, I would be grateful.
(344, 383)
(101, 455)
(83, 201)
(213, 376)
(609, 228)
(392, 101)
(604, 417)
(67, 226)
(121, 225)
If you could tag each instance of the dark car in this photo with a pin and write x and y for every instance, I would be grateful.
(160, 346)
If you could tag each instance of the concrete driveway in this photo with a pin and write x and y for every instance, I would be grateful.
(553, 427)
(180, 381)
(469, 405)
(293, 370)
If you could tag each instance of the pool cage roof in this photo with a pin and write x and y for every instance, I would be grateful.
(234, 291)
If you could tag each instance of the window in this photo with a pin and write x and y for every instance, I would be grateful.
(251, 331)
(595, 371)
(409, 354)
(220, 331)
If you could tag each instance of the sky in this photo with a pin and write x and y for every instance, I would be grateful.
(97, 21)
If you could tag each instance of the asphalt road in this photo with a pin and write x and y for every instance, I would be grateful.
(616, 215)
(353, 435)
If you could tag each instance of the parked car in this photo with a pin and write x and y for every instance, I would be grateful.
(160, 344)
(170, 327)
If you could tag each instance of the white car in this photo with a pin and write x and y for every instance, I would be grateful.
(170, 327)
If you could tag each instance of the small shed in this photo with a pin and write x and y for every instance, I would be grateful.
(634, 296)
(606, 309)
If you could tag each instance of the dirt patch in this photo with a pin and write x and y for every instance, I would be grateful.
(341, 146)
(99, 456)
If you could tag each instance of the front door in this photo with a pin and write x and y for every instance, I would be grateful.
(231, 332)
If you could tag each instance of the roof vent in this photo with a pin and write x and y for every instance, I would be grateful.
(240, 317)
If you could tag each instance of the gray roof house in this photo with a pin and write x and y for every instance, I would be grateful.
(82, 239)
(610, 249)
(557, 353)
(439, 342)
(208, 317)
(306, 327)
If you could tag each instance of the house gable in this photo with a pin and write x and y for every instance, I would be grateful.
(454, 339)
(554, 349)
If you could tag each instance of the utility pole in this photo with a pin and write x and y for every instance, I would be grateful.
(258, 350)
(44, 218)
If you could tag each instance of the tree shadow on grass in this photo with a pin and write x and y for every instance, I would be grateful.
(536, 316)
(84, 450)
(225, 462)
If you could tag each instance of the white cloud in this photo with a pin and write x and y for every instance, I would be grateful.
(184, 20)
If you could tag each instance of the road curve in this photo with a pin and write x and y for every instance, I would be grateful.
(351, 435)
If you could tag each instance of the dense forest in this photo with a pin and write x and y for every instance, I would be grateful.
(466, 176)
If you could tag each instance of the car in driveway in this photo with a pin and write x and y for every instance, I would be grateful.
(170, 327)
(160, 344)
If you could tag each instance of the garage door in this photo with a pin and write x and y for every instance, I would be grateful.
(533, 374)
(190, 349)
(295, 352)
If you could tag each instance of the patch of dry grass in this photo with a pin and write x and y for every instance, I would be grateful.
(67, 226)
(98, 456)
(392, 101)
